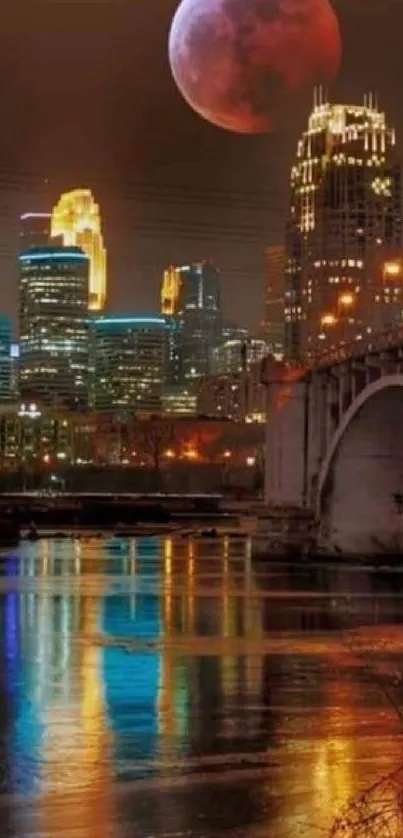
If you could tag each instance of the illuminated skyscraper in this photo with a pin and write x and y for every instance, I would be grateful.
(170, 289)
(53, 367)
(76, 218)
(199, 319)
(344, 277)
(130, 357)
(191, 298)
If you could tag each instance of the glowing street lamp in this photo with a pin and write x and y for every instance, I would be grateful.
(346, 299)
(391, 269)
(328, 320)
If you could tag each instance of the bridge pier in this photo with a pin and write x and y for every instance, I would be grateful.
(286, 444)
(302, 415)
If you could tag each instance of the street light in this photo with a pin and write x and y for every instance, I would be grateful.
(391, 269)
(328, 320)
(346, 299)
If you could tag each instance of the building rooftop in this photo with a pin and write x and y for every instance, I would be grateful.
(117, 322)
(27, 215)
(35, 254)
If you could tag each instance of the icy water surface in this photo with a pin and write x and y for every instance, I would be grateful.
(174, 688)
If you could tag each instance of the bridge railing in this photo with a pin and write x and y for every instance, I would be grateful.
(373, 344)
(283, 372)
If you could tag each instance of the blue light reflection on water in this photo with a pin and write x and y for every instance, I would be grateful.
(26, 730)
(132, 679)
(138, 686)
(12, 638)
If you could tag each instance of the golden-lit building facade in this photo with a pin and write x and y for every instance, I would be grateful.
(343, 274)
(170, 290)
(76, 219)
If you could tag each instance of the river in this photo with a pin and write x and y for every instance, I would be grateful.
(167, 687)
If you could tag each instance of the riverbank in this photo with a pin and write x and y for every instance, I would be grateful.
(109, 510)
(199, 531)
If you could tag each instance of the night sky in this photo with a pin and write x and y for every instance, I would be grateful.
(87, 99)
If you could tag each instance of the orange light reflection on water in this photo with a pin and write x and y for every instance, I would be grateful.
(166, 691)
(328, 758)
(76, 780)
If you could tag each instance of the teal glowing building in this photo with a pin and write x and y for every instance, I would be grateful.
(129, 363)
(53, 319)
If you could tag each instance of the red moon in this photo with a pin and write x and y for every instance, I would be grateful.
(240, 63)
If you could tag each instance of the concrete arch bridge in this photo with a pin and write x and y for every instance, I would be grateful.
(335, 446)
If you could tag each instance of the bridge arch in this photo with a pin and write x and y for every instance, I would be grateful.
(384, 383)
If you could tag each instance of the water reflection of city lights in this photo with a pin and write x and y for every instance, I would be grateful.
(226, 591)
(100, 702)
(191, 587)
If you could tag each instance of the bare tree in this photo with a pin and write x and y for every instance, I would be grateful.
(153, 438)
(378, 811)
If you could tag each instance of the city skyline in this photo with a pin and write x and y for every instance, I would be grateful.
(76, 221)
(172, 188)
(75, 357)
